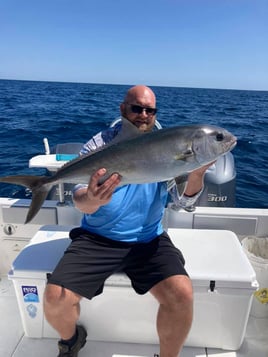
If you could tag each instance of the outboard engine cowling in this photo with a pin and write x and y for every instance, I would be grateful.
(219, 184)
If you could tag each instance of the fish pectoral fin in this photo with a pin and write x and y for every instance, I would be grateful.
(181, 183)
(184, 155)
(179, 157)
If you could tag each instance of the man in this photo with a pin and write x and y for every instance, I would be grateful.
(121, 230)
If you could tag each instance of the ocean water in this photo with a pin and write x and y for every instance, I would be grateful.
(73, 112)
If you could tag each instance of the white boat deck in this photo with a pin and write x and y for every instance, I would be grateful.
(13, 342)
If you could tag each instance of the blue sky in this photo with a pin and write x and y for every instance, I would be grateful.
(182, 43)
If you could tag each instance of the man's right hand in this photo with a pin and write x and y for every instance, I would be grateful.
(89, 199)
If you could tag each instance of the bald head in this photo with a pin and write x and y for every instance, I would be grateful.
(140, 92)
(144, 98)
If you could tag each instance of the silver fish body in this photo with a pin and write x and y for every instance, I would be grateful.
(138, 158)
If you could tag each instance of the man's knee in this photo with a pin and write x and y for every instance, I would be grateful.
(53, 294)
(176, 289)
(183, 290)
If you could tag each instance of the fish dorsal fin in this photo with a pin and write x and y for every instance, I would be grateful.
(128, 131)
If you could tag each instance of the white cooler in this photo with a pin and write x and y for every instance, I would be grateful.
(222, 276)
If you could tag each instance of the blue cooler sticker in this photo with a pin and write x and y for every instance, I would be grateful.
(30, 293)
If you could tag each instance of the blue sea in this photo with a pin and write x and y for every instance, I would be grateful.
(73, 112)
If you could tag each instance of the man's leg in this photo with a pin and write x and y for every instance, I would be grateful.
(175, 313)
(62, 309)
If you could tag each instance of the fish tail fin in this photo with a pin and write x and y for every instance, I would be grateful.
(38, 198)
(39, 187)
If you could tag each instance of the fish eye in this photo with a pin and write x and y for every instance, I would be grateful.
(219, 136)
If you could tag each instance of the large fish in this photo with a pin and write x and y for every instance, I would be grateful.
(137, 157)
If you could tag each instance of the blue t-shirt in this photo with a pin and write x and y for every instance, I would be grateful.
(134, 213)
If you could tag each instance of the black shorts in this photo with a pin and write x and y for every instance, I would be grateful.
(91, 259)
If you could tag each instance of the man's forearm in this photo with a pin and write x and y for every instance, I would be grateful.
(194, 184)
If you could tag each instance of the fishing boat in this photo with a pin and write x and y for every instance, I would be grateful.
(119, 322)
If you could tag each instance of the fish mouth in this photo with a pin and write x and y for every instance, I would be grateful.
(233, 143)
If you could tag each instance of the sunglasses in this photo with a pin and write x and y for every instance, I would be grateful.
(137, 109)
